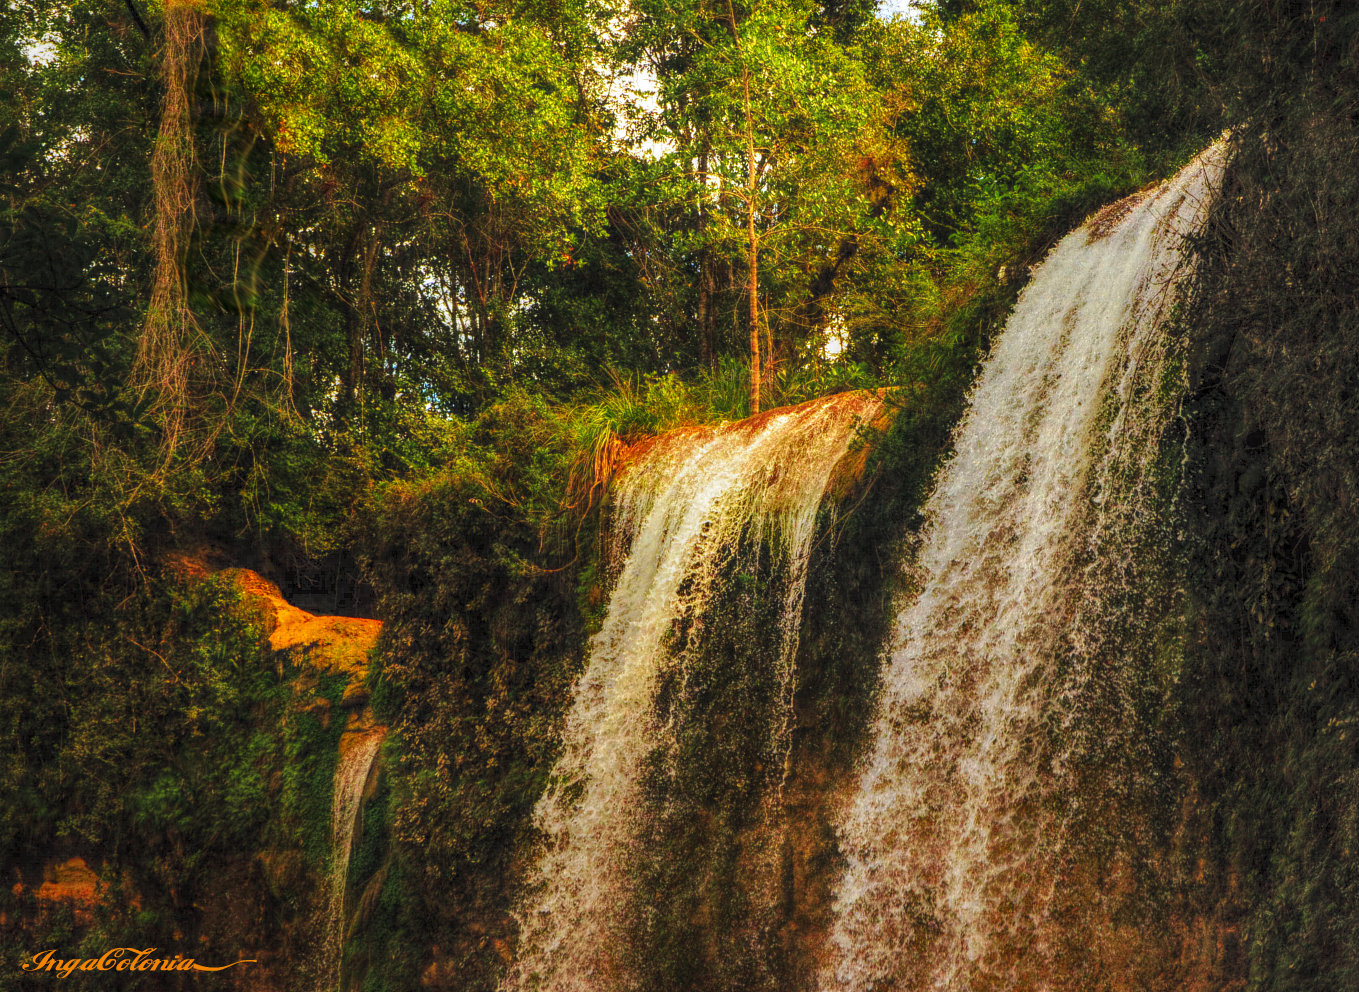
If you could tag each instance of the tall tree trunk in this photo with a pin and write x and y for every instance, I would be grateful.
(753, 282)
(361, 326)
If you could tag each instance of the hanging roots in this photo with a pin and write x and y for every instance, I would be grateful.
(170, 335)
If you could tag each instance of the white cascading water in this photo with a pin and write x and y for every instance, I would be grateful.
(351, 776)
(680, 511)
(952, 841)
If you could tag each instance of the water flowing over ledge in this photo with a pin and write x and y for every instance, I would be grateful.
(352, 773)
(954, 841)
(683, 510)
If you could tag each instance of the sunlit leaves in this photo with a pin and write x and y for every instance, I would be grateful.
(432, 90)
(996, 124)
(827, 173)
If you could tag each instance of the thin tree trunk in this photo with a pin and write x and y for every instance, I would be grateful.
(361, 327)
(752, 243)
(707, 346)
(753, 277)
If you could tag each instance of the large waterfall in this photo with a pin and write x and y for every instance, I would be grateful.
(1011, 814)
(963, 872)
(685, 514)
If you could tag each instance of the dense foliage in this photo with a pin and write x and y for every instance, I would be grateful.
(371, 297)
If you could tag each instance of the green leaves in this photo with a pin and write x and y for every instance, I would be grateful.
(436, 92)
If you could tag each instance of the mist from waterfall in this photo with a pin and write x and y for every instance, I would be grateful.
(961, 871)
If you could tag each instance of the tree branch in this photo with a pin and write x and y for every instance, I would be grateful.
(137, 19)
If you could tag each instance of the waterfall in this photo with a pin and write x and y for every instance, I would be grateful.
(682, 511)
(351, 776)
(957, 857)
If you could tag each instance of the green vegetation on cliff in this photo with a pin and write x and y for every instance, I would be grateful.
(1272, 673)
(371, 297)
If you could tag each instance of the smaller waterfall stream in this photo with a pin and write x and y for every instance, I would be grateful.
(682, 512)
(351, 776)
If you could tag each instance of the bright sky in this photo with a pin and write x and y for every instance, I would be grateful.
(888, 8)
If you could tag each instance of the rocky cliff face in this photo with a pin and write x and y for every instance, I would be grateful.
(266, 902)
(318, 645)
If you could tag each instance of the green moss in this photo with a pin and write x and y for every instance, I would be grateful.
(1271, 688)
(479, 573)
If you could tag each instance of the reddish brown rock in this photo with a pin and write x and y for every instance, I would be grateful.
(71, 882)
(323, 644)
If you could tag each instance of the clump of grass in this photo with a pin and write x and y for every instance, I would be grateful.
(630, 408)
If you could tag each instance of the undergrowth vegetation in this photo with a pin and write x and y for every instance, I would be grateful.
(168, 749)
